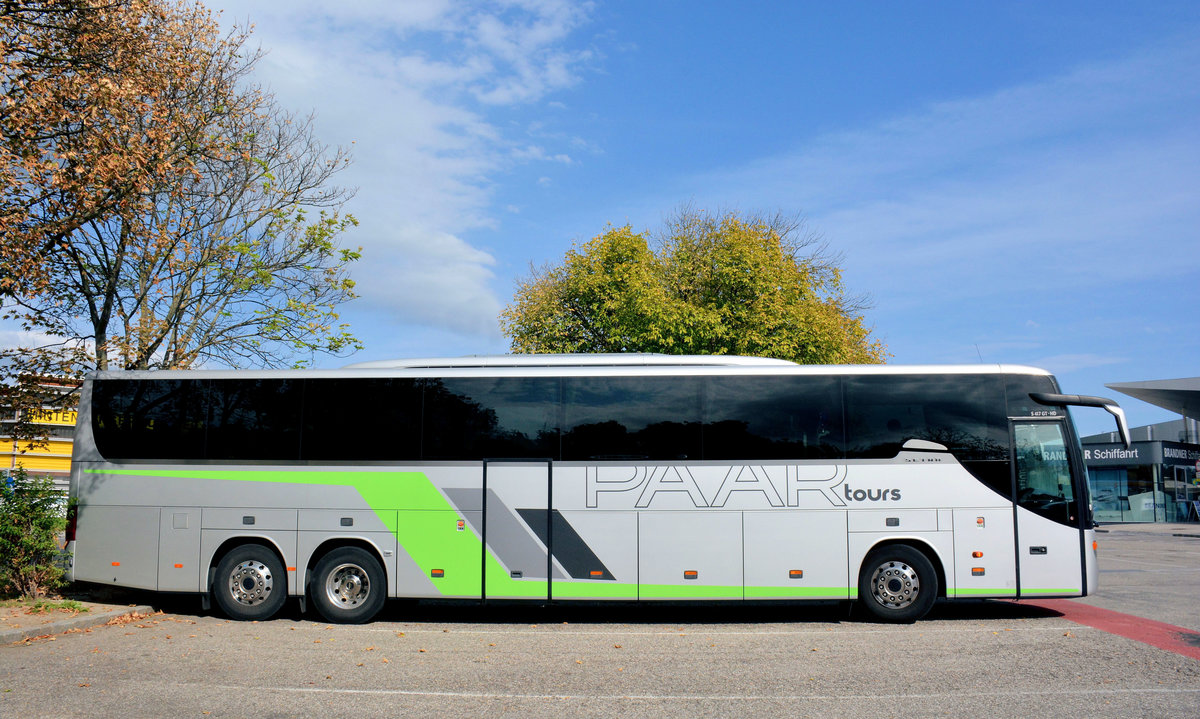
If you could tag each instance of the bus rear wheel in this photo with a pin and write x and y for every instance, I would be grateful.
(897, 583)
(250, 583)
(348, 586)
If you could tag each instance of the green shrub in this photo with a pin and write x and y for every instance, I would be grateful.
(31, 516)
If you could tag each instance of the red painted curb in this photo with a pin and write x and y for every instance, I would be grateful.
(1157, 634)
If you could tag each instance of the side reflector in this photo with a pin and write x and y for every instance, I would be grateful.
(116, 564)
(437, 573)
(691, 574)
(976, 555)
(179, 566)
(979, 522)
(291, 569)
(461, 525)
(597, 573)
(796, 574)
(976, 571)
(1095, 546)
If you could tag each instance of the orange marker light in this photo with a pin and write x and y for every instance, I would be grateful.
(976, 555)
(291, 569)
(979, 521)
(691, 574)
(461, 524)
(116, 564)
(597, 573)
(179, 566)
(1095, 546)
(796, 574)
(976, 571)
(438, 573)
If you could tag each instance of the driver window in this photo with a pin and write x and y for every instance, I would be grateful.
(1044, 471)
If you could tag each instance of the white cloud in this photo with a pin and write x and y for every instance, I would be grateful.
(15, 339)
(530, 50)
(411, 84)
(535, 152)
(440, 279)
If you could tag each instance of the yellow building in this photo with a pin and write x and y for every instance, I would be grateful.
(52, 457)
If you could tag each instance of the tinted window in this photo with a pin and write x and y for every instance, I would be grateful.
(148, 419)
(254, 419)
(773, 418)
(362, 419)
(1020, 404)
(472, 418)
(631, 418)
(963, 412)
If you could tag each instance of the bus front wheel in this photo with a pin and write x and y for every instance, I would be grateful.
(897, 583)
(250, 583)
(348, 586)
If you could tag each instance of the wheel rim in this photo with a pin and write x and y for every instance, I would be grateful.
(895, 584)
(347, 586)
(251, 583)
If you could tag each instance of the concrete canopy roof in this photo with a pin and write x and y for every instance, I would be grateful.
(1177, 395)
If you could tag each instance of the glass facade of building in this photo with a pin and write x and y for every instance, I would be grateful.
(1152, 481)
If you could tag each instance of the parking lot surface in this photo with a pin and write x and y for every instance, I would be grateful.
(996, 659)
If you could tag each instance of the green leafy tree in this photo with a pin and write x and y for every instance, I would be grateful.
(31, 516)
(704, 284)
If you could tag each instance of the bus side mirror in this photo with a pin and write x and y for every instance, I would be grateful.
(1079, 400)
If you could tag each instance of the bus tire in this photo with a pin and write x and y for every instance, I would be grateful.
(250, 583)
(897, 583)
(348, 586)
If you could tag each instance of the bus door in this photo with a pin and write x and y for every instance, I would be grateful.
(1049, 506)
(516, 529)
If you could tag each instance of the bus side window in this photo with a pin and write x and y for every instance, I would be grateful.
(631, 418)
(748, 418)
(149, 419)
(963, 413)
(254, 419)
(490, 417)
(367, 419)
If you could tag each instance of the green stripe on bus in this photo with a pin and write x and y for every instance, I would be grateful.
(589, 589)
(985, 592)
(689, 591)
(611, 590)
(798, 592)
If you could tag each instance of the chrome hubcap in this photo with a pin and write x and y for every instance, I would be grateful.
(250, 583)
(348, 586)
(895, 585)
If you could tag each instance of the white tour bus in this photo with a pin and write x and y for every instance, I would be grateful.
(583, 477)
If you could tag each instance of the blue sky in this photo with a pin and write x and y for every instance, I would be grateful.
(1014, 182)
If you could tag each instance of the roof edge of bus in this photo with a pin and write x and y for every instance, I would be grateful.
(614, 359)
(574, 363)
